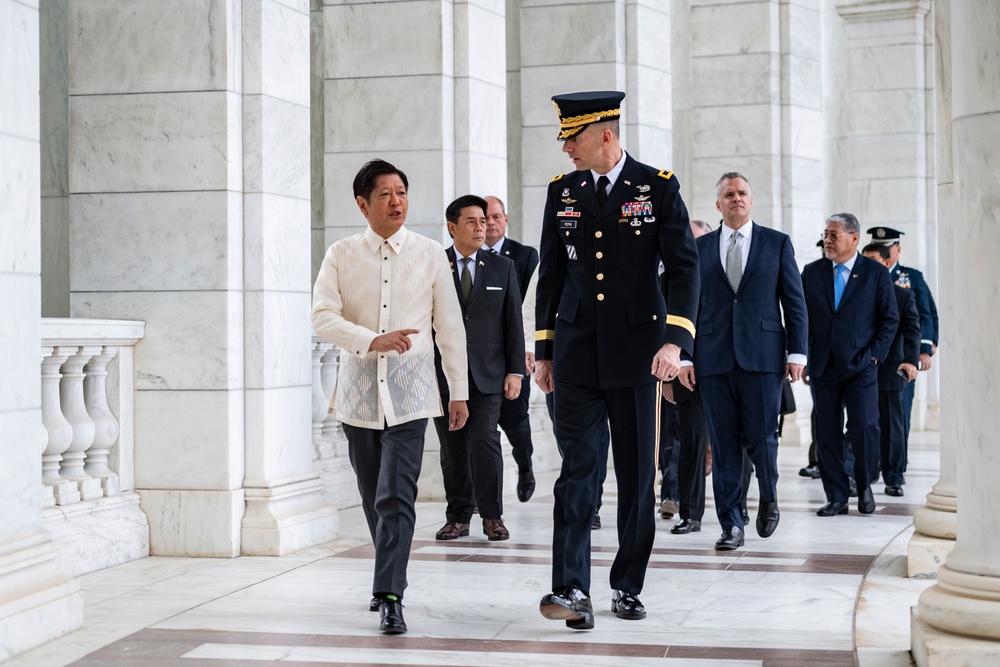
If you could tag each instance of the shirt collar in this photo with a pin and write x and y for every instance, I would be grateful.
(849, 263)
(496, 247)
(396, 241)
(746, 231)
(615, 170)
(459, 256)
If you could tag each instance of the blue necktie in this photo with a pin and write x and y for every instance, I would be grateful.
(839, 283)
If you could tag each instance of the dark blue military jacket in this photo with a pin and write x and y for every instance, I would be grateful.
(912, 279)
(600, 313)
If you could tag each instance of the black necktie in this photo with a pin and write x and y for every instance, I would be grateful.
(602, 189)
(466, 278)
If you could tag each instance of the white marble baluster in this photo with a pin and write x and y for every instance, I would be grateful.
(95, 394)
(75, 410)
(320, 403)
(55, 490)
(331, 425)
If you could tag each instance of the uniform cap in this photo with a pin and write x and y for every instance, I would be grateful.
(884, 235)
(578, 110)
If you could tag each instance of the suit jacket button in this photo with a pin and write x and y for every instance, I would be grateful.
(654, 318)
(600, 297)
(600, 276)
(598, 234)
(599, 254)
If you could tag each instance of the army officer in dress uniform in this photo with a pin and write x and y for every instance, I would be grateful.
(604, 336)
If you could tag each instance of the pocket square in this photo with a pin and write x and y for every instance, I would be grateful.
(488, 287)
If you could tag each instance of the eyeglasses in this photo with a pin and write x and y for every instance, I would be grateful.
(833, 236)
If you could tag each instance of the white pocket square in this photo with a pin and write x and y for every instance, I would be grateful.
(488, 287)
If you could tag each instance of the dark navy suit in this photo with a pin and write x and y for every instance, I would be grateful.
(740, 352)
(845, 346)
(600, 317)
(495, 335)
(905, 348)
(514, 414)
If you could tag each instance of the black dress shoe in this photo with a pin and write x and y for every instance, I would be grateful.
(391, 616)
(767, 519)
(746, 518)
(852, 488)
(627, 606)
(866, 501)
(893, 490)
(597, 522)
(830, 509)
(568, 604)
(732, 537)
(686, 526)
(375, 604)
(525, 485)
(812, 472)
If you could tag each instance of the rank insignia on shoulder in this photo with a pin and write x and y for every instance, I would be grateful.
(642, 188)
(559, 177)
(665, 174)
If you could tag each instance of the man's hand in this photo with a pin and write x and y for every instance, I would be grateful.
(666, 362)
(667, 391)
(458, 414)
(543, 375)
(794, 371)
(394, 341)
(512, 387)
(910, 370)
(529, 363)
(686, 376)
(925, 361)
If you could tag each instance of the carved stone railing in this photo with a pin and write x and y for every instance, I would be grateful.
(329, 443)
(88, 492)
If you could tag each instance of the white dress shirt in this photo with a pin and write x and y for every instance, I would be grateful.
(368, 286)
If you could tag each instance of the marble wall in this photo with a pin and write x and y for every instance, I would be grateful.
(38, 600)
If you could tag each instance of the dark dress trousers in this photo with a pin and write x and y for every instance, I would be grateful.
(471, 460)
(845, 346)
(695, 438)
(739, 360)
(514, 414)
(905, 348)
(601, 317)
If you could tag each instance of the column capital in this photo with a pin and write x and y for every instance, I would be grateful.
(882, 10)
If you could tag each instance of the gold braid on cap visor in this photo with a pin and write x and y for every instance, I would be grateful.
(573, 124)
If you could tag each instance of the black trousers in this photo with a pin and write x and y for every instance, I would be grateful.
(580, 417)
(387, 465)
(892, 436)
(515, 423)
(602, 469)
(691, 463)
(472, 460)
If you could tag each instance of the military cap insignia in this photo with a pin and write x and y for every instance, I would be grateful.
(665, 174)
(880, 232)
(559, 177)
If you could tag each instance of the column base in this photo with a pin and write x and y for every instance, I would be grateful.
(933, 648)
(932, 417)
(200, 524)
(340, 484)
(925, 554)
(38, 600)
(98, 534)
(430, 484)
(287, 516)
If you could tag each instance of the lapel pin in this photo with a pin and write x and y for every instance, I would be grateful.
(628, 182)
(482, 264)
(583, 184)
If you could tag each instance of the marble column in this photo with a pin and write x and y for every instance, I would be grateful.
(889, 134)
(189, 210)
(38, 599)
(936, 522)
(957, 621)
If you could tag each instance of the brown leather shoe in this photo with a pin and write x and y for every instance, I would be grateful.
(452, 531)
(495, 530)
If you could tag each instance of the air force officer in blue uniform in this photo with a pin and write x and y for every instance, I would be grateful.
(743, 351)
(605, 334)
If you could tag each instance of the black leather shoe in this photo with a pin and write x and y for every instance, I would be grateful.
(767, 519)
(597, 522)
(812, 472)
(893, 490)
(391, 615)
(525, 485)
(830, 509)
(732, 537)
(627, 606)
(375, 604)
(569, 604)
(866, 501)
(686, 526)
(852, 488)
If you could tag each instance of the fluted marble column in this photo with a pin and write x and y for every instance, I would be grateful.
(38, 600)
(957, 621)
(936, 522)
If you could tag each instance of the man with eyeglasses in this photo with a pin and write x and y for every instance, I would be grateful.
(852, 321)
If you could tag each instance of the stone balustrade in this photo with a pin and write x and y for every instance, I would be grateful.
(88, 493)
(329, 442)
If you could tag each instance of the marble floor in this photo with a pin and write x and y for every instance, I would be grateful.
(819, 592)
